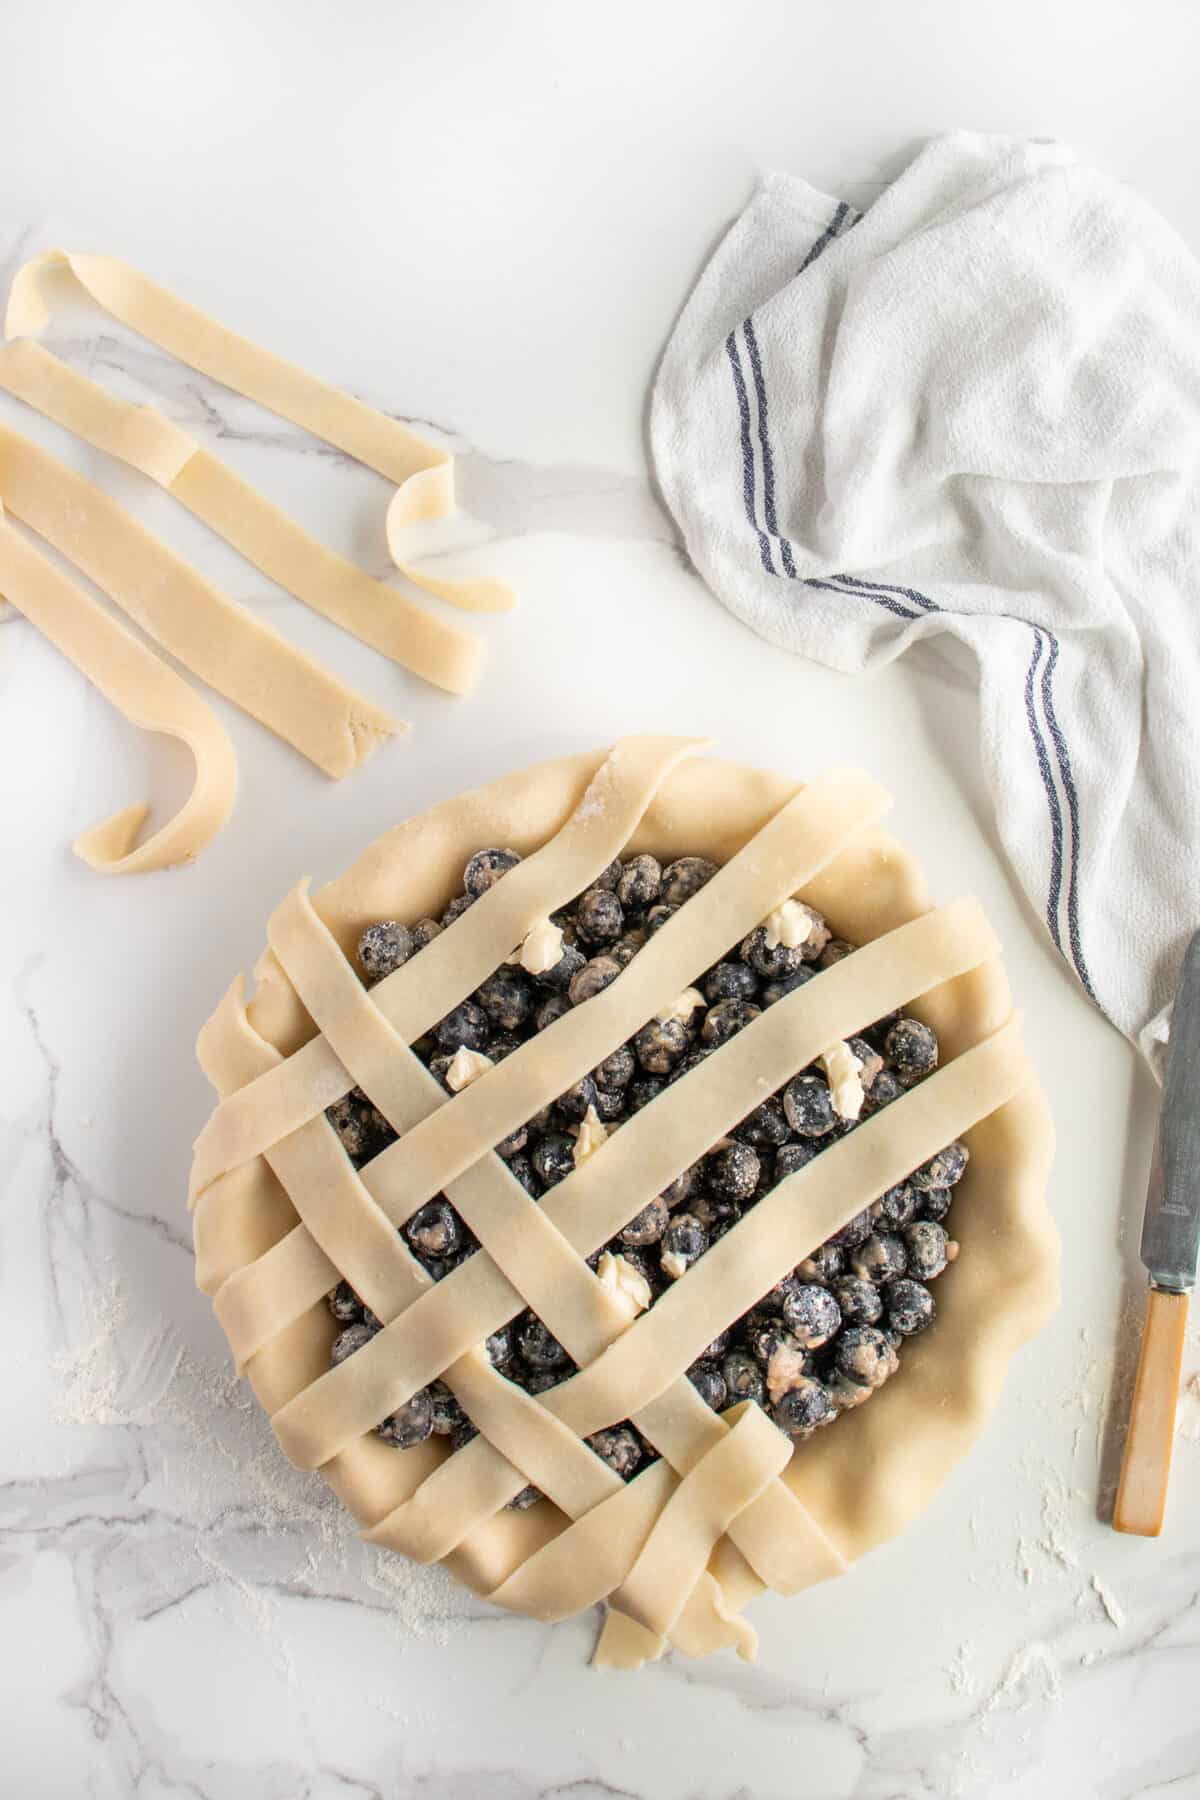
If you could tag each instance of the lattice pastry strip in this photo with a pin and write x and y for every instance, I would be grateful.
(654, 1571)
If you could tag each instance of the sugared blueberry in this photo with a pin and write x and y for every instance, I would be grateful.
(485, 868)
(384, 948)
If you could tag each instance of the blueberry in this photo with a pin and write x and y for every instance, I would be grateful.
(935, 1203)
(882, 1257)
(658, 916)
(620, 1447)
(361, 1129)
(802, 1408)
(485, 868)
(574, 1103)
(642, 1090)
(550, 1011)
(502, 1044)
(730, 981)
(683, 1242)
(384, 948)
(640, 883)
(457, 907)
(863, 1355)
(824, 1265)
(466, 1027)
(743, 1377)
(942, 1170)
(448, 1415)
(462, 1434)
(647, 1226)
(424, 932)
(709, 1383)
(911, 1048)
(610, 1105)
(897, 1208)
(616, 1071)
(599, 917)
(791, 1158)
(610, 877)
(835, 951)
(925, 1243)
(435, 1229)
(766, 1128)
(540, 1350)
(528, 1496)
(809, 1106)
(625, 949)
(685, 877)
(592, 979)
(772, 962)
(726, 1019)
(540, 1381)
(685, 1186)
(661, 1044)
(410, 1424)
(787, 984)
(767, 1335)
(859, 1300)
(811, 1314)
(513, 1144)
(553, 1158)
(883, 1090)
(716, 1350)
(712, 1211)
(910, 1307)
(521, 1169)
(696, 1055)
(854, 1232)
(500, 1348)
(344, 1304)
(507, 998)
(347, 1342)
(732, 1173)
(559, 976)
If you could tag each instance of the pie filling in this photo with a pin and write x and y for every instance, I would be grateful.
(831, 1333)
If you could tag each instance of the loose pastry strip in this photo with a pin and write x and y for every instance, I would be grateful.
(146, 691)
(661, 1532)
(214, 637)
(423, 473)
(338, 589)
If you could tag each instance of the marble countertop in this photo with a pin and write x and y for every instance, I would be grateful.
(483, 218)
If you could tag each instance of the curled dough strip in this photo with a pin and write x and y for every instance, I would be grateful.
(221, 642)
(358, 430)
(143, 439)
(148, 693)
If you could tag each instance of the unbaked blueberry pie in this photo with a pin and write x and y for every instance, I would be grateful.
(592, 1153)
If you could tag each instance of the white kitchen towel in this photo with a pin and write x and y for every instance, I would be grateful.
(976, 409)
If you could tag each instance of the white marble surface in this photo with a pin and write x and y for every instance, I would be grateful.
(484, 217)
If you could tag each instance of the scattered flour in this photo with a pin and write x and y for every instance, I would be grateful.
(1032, 1674)
(1110, 1603)
(232, 1479)
(960, 1673)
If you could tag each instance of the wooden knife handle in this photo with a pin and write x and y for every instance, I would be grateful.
(1146, 1464)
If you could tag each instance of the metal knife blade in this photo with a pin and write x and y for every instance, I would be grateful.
(1171, 1227)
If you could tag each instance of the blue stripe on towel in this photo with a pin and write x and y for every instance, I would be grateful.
(743, 405)
(892, 598)
(764, 440)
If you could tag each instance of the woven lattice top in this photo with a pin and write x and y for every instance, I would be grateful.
(718, 1514)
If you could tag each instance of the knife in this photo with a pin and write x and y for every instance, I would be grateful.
(1170, 1245)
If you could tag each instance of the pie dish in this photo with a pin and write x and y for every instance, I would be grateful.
(286, 1221)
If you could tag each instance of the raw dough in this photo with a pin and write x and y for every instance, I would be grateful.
(423, 472)
(770, 1517)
